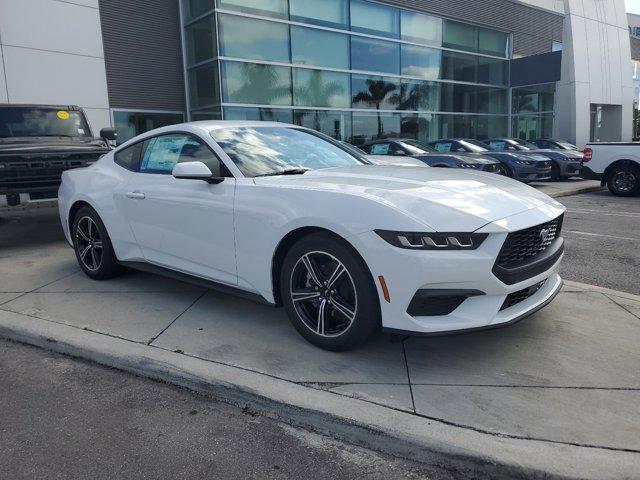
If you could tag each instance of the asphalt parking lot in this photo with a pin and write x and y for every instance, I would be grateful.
(602, 235)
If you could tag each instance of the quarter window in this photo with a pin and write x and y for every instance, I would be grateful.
(128, 157)
(162, 153)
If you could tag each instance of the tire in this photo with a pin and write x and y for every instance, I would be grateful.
(350, 310)
(93, 247)
(624, 181)
(555, 172)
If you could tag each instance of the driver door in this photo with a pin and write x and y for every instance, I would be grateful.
(185, 225)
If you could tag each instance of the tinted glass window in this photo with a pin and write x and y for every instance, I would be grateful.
(255, 39)
(421, 28)
(458, 98)
(203, 86)
(459, 66)
(492, 100)
(493, 71)
(129, 157)
(373, 126)
(310, 46)
(420, 95)
(161, 154)
(317, 88)
(375, 55)
(492, 42)
(334, 124)
(200, 40)
(195, 8)
(422, 127)
(256, 84)
(268, 8)
(374, 18)
(460, 36)
(129, 124)
(380, 93)
(261, 114)
(421, 62)
(332, 13)
(267, 150)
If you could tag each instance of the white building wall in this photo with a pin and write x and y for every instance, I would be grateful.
(595, 69)
(51, 52)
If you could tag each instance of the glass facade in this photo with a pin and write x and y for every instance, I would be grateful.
(533, 110)
(354, 69)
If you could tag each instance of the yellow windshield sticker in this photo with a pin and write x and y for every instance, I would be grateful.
(62, 115)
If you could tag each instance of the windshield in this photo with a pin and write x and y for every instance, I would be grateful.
(475, 146)
(567, 146)
(417, 148)
(526, 145)
(42, 122)
(271, 150)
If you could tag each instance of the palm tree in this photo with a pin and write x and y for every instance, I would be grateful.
(316, 93)
(262, 85)
(377, 92)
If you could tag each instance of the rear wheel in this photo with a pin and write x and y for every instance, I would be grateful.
(328, 293)
(624, 181)
(93, 247)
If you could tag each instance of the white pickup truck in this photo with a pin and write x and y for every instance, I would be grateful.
(616, 165)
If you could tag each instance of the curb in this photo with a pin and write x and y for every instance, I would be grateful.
(577, 191)
(606, 291)
(354, 421)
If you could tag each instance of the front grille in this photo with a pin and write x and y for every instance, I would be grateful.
(521, 295)
(544, 165)
(524, 245)
(27, 175)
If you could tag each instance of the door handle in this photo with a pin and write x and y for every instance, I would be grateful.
(135, 195)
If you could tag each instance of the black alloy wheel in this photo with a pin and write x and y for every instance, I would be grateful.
(328, 293)
(92, 246)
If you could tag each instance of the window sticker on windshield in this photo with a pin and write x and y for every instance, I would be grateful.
(380, 149)
(499, 145)
(443, 147)
(62, 115)
(81, 131)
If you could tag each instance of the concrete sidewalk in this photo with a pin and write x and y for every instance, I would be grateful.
(566, 188)
(556, 394)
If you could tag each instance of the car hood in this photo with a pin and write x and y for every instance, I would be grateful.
(28, 148)
(442, 199)
(473, 158)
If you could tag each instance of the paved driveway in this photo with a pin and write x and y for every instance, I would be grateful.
(569, 374)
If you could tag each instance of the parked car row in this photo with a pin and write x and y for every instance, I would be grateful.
(528, 162)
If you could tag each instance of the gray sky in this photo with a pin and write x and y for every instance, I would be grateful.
(633, 6)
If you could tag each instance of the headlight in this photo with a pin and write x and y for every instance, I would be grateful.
(433, 241)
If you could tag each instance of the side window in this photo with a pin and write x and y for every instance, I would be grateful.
(380, 149)
(162, 153)
(129, 157)
(443, 146)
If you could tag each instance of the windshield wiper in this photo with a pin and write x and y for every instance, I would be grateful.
(286, 171)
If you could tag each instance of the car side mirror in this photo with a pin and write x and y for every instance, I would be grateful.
(399, 153)
(109, 134)
(195, 171)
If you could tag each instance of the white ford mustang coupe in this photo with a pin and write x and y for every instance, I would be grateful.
(289, 216)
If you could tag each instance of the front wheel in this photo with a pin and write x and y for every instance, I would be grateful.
(93, 247)
(624, 181)
(328, 293)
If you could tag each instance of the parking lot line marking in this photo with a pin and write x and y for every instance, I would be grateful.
(600, 212)
(601, 235)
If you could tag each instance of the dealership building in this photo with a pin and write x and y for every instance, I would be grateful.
(353, 69)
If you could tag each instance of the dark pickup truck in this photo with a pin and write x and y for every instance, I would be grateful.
(38, 143)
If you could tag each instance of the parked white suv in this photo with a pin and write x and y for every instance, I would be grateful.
(615, 164)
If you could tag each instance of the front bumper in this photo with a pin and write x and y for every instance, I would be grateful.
(407, 272)
(533, 173)
(569, 168)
